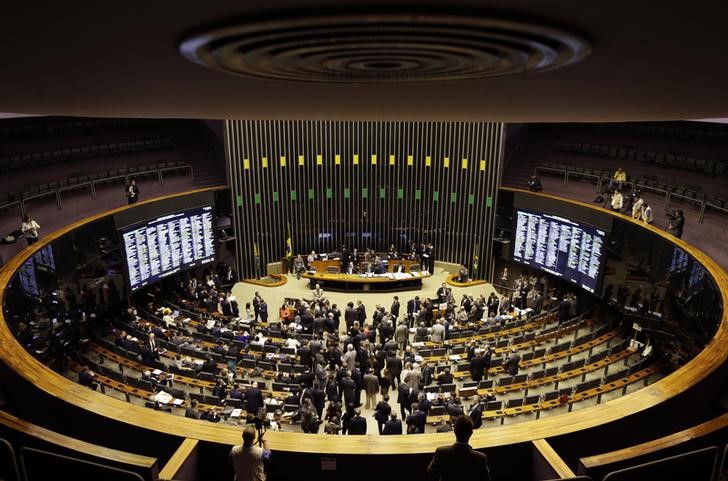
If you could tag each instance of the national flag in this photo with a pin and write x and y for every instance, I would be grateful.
(289, 245)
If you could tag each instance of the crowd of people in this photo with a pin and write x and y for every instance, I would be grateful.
(372, 363)
(369, 261)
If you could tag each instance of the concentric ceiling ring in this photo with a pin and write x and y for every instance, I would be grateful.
(384, 48)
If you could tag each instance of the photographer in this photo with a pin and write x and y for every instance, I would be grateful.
(677, 222)
(247, 459)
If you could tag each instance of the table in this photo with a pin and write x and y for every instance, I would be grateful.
(355, 282)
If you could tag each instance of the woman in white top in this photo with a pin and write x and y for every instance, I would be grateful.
(647, 215)
(637, 208)
(617, 201)
(30, 229)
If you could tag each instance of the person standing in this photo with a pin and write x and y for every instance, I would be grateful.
(371, 386)
(459, 461)
(512, 363)
(382, 412)
(394, 309)
(30, 229)
(247, 459)
(132, 192)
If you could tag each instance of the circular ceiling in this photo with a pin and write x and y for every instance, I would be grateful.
(379, 48)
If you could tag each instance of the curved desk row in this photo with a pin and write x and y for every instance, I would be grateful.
(357, 282)
(114, 412)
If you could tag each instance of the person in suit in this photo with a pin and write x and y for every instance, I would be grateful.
(349, 316)
(403, 398)
(459, 461)
(191, 411)
(413, 306)
(255, 399)
(86, 378)
(357, 425)
(418, 418)
(477, 366)
(512, 363)
(382, 412)
(476, 413)
(394, 365)
(361, 312)
(394, 309)
(393, 425)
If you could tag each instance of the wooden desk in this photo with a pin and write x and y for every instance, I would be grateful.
(353, 282)
(322, 266)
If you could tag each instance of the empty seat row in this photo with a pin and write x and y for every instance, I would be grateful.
(19, 161)
(677, 160)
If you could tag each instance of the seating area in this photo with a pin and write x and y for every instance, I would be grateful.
(564, 367)
(48, 157)
(92, 182)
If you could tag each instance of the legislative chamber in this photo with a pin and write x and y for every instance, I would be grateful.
(349, 232)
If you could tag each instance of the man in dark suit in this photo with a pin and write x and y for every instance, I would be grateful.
(349, 316)
(393, 425)
(418, 418)
(477, 366)
(459, 461)
(358, 424)
(394, 364)
(512, 363)
(255, 399)
(403, 398)
(394, 310)
(476, 413)
(413, 305)
(382, 412)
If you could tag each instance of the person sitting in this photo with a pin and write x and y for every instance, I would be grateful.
(459, 461)
(534, 185)
(617, 201)
(617, 180)
(647, 215)
(86, 378)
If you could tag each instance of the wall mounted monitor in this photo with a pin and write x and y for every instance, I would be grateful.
(167, 245)
(562, 247)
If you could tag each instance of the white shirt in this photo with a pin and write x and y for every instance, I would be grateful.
(647, 215)
(617, 201)
(30, 229)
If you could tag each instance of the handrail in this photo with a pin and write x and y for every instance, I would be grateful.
(671, 440)
(707, 361)
(73, 444)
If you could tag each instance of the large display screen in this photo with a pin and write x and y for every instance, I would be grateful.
(169, 244)
(41, 261)
(559, 246)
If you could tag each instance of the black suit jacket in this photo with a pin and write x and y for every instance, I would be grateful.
(255, 400)
(392, 426)
(382, 411)
(418, 419)
(358, 425)
(458, 462)
(395, 309)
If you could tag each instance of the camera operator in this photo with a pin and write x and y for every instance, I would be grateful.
(247, 459)
(677, 222)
